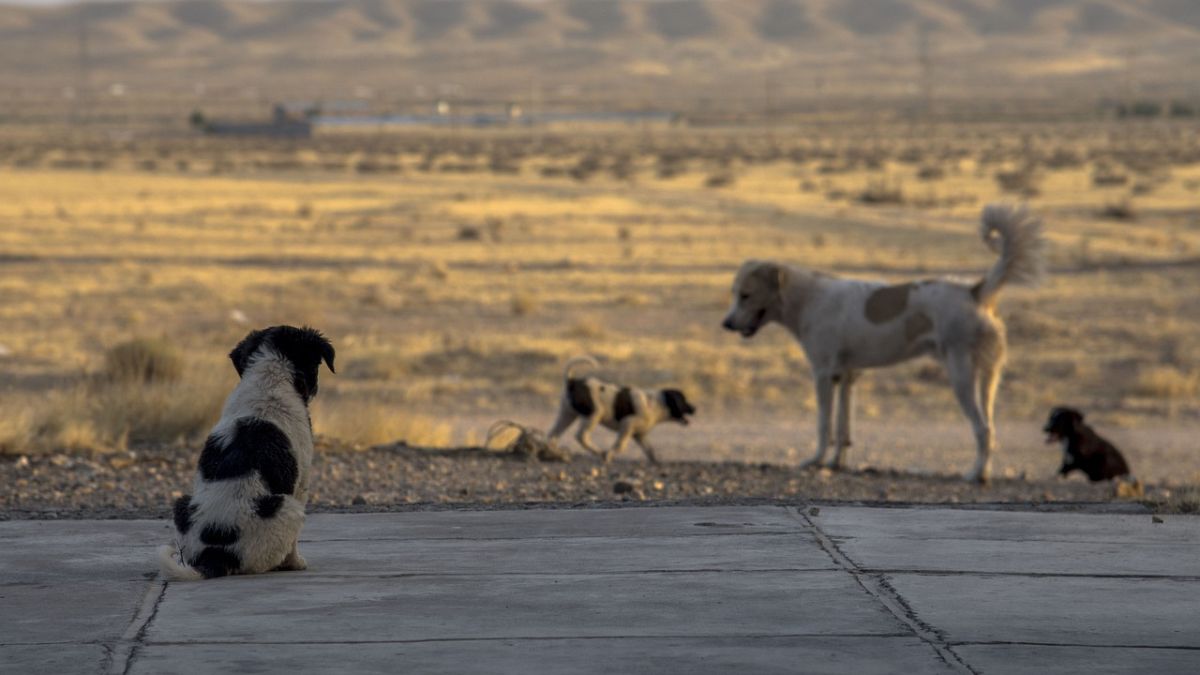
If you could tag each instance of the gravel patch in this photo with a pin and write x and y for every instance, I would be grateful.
(144, 483)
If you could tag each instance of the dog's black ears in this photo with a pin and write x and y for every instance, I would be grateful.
(245, 349)
(1071, 414)
(677, 404)
(304, 347)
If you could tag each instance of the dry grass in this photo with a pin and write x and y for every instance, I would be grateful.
(1166, 382)
(452, 294)
(100, 415)
(363, 424)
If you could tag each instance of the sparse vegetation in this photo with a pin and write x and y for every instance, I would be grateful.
(461, 292)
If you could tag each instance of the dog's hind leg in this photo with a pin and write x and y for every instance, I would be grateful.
(565, 417)
(824, 384)
(622, 442)
(962, 373)
(845, 413)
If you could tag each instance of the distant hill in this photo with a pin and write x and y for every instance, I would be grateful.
(661, 52)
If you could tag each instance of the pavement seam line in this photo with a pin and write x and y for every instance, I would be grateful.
(126, 648)
(887, 596)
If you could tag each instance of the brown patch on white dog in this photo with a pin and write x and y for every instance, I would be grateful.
(887, 303)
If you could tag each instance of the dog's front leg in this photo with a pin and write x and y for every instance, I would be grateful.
(623, 437)
(845, 413)
(824, 383)
(646, 448)
(294, 562)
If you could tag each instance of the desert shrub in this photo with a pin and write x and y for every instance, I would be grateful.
(1121, 209)
(1105, 176)
(142, 360)
(931, 172)
(1022, 181)
(523, 304)
(719, 180)
(585, 329)
(469, 233)
(882, 191)
(1166, 382)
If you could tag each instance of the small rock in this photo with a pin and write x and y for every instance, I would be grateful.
(814, 511)
(622, 487)
(359, 500)
(1156, 520)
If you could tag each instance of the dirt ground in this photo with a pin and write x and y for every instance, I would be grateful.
(144, 483)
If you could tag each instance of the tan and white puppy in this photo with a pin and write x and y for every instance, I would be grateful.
(247, 503)
(632, 413)
(847, 325)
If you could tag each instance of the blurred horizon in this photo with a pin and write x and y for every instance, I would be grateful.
(152, 61)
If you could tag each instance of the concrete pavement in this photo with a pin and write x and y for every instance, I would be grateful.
(765, 589)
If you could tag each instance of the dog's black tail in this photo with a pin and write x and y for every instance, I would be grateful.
(1016, 235)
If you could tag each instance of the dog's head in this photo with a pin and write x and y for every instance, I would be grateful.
(304, 347)
(757, 297)
(677, 404)
(1062, 423)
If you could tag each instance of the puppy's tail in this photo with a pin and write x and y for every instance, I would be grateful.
(173, 569)
(1016, 234)
(578, 361)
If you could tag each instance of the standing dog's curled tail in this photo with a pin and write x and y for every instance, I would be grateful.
(578, 361)
(1016, 234)
(173, 569)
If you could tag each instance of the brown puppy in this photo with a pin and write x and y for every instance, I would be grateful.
(1083, 448)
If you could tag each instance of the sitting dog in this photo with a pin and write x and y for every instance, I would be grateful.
(247, 506)
(1083, 448)
(847, 325)
(632, 413)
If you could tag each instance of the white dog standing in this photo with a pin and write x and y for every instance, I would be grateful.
(846, 325)
(247, 506)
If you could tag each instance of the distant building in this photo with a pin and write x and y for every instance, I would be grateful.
(283, 124)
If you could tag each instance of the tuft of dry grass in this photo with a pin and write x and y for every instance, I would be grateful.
(523, 304)
(1166, 382)
(363, 424)
(103, 415)
(142, 360)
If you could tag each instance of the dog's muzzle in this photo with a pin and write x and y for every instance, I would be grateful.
(745, 331)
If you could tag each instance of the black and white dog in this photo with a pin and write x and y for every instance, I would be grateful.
(630, 412)
(1083, 448)
(247, 506)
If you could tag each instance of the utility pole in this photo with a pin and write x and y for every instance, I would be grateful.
(83, 67)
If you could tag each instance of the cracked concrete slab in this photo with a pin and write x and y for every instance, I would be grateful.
(656, 590)
(551, 523)
(431, 607)
(925, 523)
(53, 658)
(1098, 611)
(1042, 659)
(566, 555)
(634, 655)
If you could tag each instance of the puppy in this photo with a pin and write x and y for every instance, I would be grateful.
(247, 503)
(1083, 448)
(632, 413)
(847, 325)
